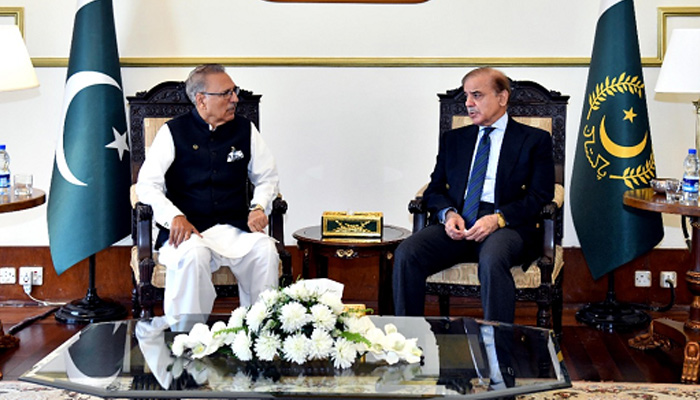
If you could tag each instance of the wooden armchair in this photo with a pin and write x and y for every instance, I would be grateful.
(148, 111)
(532, 104)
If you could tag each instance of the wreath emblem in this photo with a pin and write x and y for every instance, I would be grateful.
(600, 156)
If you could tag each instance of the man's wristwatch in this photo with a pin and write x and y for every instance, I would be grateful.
(254, 207)
(501, 219)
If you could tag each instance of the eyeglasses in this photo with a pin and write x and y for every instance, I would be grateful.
(227, 94)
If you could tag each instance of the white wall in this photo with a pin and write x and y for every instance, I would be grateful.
(361, 138)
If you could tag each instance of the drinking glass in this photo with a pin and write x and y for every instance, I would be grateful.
(23, 184)
(674, 191)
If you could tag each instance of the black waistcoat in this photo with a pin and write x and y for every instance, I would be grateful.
(207, 180)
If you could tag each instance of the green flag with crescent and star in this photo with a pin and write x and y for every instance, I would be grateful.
(89, 206)
(613, 151)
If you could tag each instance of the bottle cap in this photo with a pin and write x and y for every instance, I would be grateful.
(2, 147)
(692, 151)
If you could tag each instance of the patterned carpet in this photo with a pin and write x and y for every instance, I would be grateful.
(619, 391)
(580, 391)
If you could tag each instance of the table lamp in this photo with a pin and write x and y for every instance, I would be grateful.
(16, 69)
(680, 71)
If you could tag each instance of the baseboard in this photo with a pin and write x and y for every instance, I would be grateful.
(113, 276)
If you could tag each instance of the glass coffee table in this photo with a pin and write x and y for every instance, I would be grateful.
(463, 358)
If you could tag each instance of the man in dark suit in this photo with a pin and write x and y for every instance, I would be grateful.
(490, 181)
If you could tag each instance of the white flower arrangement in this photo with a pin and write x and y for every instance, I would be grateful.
(299, 323)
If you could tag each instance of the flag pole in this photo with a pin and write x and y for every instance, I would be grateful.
(611, 315)
(90, 308)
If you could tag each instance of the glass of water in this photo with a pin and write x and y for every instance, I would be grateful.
(674, 190)
(23, 184)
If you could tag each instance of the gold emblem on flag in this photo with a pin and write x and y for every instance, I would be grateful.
(602, 151)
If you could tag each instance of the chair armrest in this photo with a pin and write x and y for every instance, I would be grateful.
(419, 210)
(550, 214)
(143, 220)
(279, 208)
(276, 230)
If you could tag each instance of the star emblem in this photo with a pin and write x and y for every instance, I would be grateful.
(629, 115)
(119, 143)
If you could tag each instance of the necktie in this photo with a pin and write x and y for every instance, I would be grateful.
(476, 179)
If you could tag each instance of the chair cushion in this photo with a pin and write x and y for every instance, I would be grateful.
(222, 276)
(466, 273)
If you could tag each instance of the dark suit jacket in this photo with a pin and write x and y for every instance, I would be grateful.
(524, 179)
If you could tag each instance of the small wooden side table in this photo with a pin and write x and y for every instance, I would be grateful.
(8, 203)
(662, 330)
(318, 252)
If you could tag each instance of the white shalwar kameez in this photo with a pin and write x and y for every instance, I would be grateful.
(252, 257)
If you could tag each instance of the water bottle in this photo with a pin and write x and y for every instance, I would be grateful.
(4, 171)
(690, 177)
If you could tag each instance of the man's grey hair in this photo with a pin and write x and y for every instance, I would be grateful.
(196, 81)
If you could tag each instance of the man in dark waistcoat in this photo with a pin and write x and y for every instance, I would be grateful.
(195, 179)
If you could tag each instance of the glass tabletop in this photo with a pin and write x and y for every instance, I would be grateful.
(463, 358)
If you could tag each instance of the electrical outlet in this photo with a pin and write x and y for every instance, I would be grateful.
(33, 275)
(8, 275)
(642, 278)
(668, 276)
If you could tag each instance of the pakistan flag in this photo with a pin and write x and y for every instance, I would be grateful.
(89, 196)
(613, 151)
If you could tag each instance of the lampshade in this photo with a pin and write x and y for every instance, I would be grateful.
(16, 69)
(680, 71)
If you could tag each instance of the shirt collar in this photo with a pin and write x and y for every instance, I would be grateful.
(499, 125)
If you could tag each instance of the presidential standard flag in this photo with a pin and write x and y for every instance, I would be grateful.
(89, 197)
(613, 152)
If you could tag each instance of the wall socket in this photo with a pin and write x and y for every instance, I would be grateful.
(642, 278)
(668, 276)
(8, 275)
(33, 275)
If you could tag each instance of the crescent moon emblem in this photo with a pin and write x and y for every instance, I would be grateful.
(617, 150)
(76, 83)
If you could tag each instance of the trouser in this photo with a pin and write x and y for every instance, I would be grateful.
(430, 250)
(189, 288)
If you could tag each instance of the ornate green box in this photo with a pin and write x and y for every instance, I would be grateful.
(339, 224)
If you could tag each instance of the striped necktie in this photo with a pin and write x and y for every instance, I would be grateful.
(476, 179)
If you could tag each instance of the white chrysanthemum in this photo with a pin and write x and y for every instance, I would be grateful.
(269, 297)
(237, 317)
(241, 382)
(333, 301)
(298, 291)
(266, 346)
(257, 313)
(320, 344)
(343, 353)
(295, 348)
(323, 317)
(241, 346)
(293, 316)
